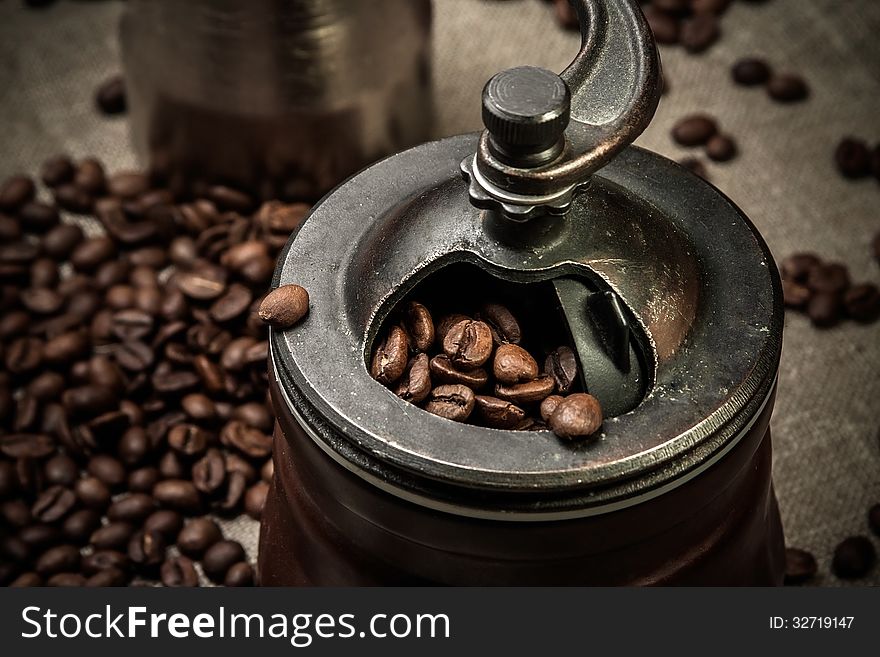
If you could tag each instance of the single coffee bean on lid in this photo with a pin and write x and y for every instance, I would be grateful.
(284, 306)
(854, 557)
(800, 566)
(577, 416)
(451, 401)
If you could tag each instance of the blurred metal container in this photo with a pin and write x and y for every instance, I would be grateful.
(281, 97)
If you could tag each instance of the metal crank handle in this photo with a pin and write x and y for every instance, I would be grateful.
(546, 134)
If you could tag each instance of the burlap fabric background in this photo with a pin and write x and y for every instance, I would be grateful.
(825, 428)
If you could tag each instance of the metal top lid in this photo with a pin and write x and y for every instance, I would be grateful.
(671, 296)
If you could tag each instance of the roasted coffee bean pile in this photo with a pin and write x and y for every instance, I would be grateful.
(133, 377)
(824, 292)
(472, 369)
(855, 159)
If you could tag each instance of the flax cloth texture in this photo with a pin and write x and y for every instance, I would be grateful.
(825, 427)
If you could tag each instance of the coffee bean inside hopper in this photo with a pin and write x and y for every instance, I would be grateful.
(477, 369)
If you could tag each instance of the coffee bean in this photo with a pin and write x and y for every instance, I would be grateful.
(209, 472)
(862, 302)
(107, 577)
(91, 253)
(92, 492)
(694, 130)
(110, 95)
(451, 401)
(576, 416)
(527, 392)
(89, 400)
(267, 472)
(179, 571)
(146, 549)
(512, 364)
(41, 301)
(699, 32)
(89, 176)
(66, 580)
(38, 217)
(202, 284)
(57, 170)
(721, 148)
(249, 441)
(853, 158)
(14, 548)
(171, 467)
(825, 309)
(255, 499)
(228, 198)
(197, 536)
(499, 413)
(664, 26)
(61, 470)
(794, 294)
(79, 525)
(15, 191)
(165, 521)
(53, 504)
(188, 439)
(549, 405)
(112, 536)
(178, 494)
(750, 72)
(220, 557)
(787, 88)
(283, 218)
(103, 560)
(234, 302)
(832, 277)
(415, 384)
(447, 322)
(854, 557)
(131, 508)
(566, 16)
(390, 357)
(468, 344)
(255, 414)
(419, 326)
(58, 559)
(24, 355)
(26, 445)
(65, 348)
(198, 407)
(73, 199)
(239, 574)
(444, 371)
(502, 323)
(16, 513)
(797, 267)
(26, 580)
(284, 306)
